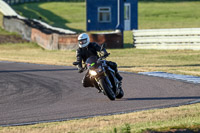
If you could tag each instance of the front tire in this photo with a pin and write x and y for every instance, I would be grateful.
(109, 92)
(121, 94)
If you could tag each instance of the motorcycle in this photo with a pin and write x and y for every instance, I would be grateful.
(104, 76)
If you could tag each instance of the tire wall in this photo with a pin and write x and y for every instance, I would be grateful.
(47, 41)
(112, 40)
(67, 42)
(54, 41)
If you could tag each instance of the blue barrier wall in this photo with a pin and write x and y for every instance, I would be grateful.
(92, 11)
(92, 14)
(134, 13)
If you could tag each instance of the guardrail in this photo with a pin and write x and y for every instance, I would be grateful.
(185, 38)
(12, 2)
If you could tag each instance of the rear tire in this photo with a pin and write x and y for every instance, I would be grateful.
(109, 92)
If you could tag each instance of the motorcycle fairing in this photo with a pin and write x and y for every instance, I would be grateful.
(91, 62)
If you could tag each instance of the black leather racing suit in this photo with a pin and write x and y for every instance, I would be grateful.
(91, 50)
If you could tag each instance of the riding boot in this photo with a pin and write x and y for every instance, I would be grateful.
(113, 65)
(118, 76)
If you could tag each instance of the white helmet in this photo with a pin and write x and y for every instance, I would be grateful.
(83, 40)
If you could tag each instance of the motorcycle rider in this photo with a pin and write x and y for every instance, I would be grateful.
(87, 49)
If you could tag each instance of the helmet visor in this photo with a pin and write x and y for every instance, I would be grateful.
(83, 41)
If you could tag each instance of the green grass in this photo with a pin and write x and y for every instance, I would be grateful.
(183, 14)
(67, 15)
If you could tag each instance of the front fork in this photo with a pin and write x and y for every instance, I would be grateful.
(117, 83)
(106, 80)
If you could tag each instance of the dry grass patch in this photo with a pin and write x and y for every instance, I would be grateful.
(183, 117)
(132, 60)
(31, 53)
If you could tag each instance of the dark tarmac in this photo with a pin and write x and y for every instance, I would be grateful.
(33, 93)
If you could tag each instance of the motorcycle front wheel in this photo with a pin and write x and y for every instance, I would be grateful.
(109, 92)
(121, 94)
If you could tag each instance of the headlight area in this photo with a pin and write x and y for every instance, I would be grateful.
(93, 73)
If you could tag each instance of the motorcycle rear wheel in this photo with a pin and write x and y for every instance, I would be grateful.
(109, 92)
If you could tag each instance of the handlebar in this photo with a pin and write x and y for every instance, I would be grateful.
(103, 57)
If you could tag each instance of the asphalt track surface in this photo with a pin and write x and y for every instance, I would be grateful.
(32, 93)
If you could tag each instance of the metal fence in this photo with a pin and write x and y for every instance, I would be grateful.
(13, 2)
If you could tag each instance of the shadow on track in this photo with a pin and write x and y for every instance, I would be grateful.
(160, 98)
(187, 65)
(38, 70)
